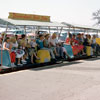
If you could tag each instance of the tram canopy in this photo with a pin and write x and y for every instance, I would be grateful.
(29, 23)
(71, 25)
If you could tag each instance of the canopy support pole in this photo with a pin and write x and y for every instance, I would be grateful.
(5, 35)
(61, 30)
(87, 31)
(25, 29)
(74, 30)
(38, 28)
(49, 29)
(69, 30)
(97, 33)
(57, 30)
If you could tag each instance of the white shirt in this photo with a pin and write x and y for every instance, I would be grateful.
(53, 41)
(15, 44)
(33, 44)
(7, 45)
(94, 41)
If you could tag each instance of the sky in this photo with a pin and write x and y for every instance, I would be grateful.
(71, 11)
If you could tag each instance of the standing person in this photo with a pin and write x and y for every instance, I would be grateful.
(7, 46)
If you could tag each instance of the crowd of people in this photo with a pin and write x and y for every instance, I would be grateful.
(80, 42)
(24, 48)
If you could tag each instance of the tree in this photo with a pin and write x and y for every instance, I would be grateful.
(96, 16)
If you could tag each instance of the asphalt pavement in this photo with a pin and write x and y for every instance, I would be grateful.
(78, 80)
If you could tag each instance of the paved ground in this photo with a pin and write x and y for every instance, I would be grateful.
(78, 80)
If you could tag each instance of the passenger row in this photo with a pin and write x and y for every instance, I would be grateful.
(21, 49)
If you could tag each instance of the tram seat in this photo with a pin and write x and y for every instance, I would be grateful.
(98, 41)
(89, 51)
(69, 50)
(5, 58)
(44, 56)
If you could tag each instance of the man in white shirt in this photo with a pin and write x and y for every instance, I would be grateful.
(55, 45)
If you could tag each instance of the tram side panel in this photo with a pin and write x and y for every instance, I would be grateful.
(5, 58)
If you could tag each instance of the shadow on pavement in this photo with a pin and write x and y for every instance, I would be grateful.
(55, 66)
(92, 59)
(68, 64)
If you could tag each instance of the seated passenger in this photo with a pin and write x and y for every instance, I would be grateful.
(40, 42)
(68, 39)
(7, 46)
(94, 45)
(93, 41)
(33, 50)
(82, 37)
(90, 40)
(60, 42)
(86, 42)
(14, 43)
(47, 45)
(55, 45)
(74, 41)
(19, 52)
(23, 45)
(79, 39)
(79, 43)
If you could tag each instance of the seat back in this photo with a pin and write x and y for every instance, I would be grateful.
(44, 56)
(98, 41)
(89, 51)
(69, 50)
(5, 58)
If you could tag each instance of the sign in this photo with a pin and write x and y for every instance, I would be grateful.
(20, 16)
